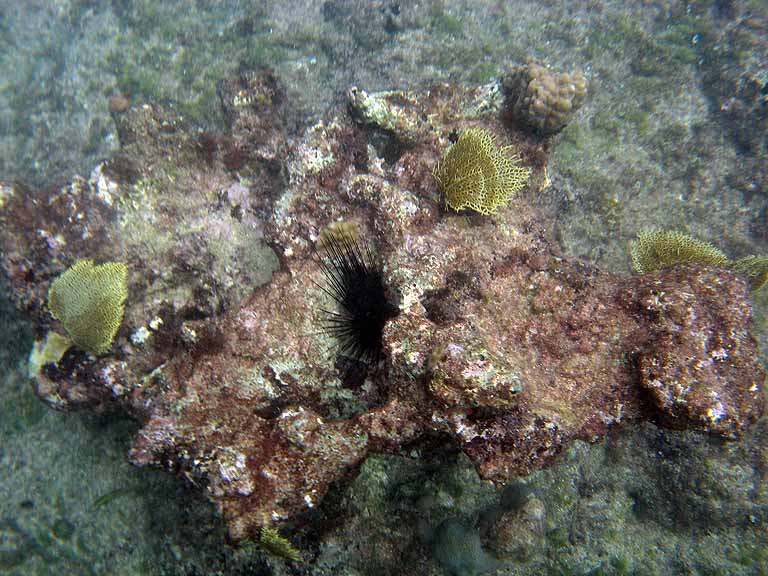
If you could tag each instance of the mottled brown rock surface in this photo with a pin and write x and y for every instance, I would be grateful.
(501, 345)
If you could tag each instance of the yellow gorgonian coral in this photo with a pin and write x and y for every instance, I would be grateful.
(344, 230)
(476, 174)
(755, 268)
(656, 250)
(89, 301)
(275, 543)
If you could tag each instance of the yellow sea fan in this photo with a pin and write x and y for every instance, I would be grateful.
(656, 250)
(474, 173)
(275, 543)
(89, 301)
(343, 230)
(755, 268)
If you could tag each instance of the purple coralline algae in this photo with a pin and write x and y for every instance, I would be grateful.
(502, 344)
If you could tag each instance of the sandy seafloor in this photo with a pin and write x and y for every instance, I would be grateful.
(658, 144)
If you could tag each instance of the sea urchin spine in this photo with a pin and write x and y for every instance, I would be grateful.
(355, 281)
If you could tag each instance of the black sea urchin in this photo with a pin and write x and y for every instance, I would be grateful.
(355, 280)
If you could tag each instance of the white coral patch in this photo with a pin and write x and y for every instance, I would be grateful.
(719, 354)
(716, 412)
(140, 336)
(105, 188)
(6, 192)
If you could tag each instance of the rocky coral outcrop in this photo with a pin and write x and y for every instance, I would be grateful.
(502, 344)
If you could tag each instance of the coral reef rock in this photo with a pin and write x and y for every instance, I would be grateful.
(502, 345)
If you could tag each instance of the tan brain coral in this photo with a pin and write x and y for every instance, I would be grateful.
(543, 99)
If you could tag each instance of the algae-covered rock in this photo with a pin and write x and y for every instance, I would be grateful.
(504, 349)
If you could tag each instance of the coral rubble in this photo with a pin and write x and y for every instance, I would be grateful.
(502, 345)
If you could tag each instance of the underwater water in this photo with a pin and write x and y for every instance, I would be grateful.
(226, 143)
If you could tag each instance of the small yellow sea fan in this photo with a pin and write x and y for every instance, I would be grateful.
(656, 250)
(344, 230)
(755, 268)
(89, 301)
(275, 543)
(474, 173)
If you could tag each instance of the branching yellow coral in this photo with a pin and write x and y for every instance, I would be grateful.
(474, 173)
(656, 250)
(89, 301)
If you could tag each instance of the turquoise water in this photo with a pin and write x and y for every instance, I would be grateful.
(672, 135)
